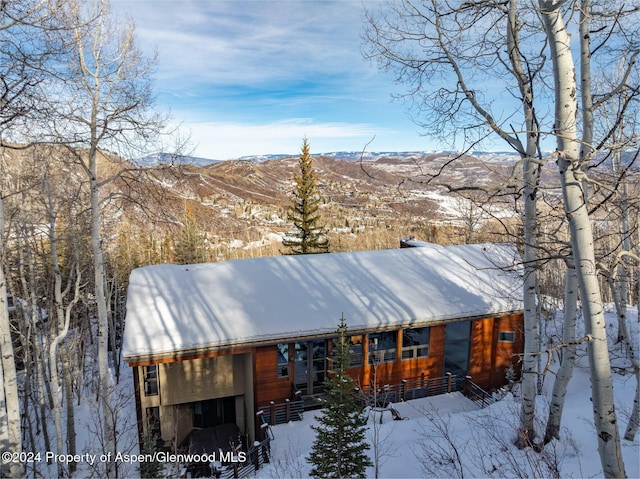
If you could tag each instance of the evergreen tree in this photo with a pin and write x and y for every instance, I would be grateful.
(190, 245)
(152, 468)
(339, 449)
(310, 234)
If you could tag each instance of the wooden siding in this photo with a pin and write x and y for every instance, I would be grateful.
(267, 386)
(488, 360)
(395, 372)
(250, 374)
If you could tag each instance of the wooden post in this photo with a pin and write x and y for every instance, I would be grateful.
(265, 449)
(287, 403)
(404, 389)
(272, 408)
(260, 419)
(255, 455)
(449, 380)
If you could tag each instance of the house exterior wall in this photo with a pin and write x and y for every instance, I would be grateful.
(269, 387)
(488, 360)
(181, 383)
(395, 372)
(251, 376)
(201, 379)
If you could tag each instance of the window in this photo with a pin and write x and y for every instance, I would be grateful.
(506, 336)
(457, 346)
(283, 360)
(151, 380)
(415, 343)
(355, 350)
(214, 412)
(153, 421)
(383, 347)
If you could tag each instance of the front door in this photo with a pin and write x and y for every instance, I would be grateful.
(310, 366)
(456, 348)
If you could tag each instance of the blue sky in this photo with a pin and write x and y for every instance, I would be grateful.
(255, 77)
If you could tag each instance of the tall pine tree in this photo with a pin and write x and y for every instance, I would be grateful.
(310, 234)
(190, 245)
(339, 449)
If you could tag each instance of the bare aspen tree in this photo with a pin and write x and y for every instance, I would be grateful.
(60, 328)
(567, 362)
(104, 103)
(10, 430)
(21, 56)
(571, 177)
(445, 52)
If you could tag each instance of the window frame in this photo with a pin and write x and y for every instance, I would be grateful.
(154, 427)
(150, 381)
(414, 349)
(281, 365)
(503, 334)
(380, 356)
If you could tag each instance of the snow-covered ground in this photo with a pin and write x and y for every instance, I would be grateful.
(442, 436)
(447, 436)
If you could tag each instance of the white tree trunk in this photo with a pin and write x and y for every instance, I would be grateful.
(10, 427)
(63, 320)
(625, 338)
(620, 296)
(634, 419)
(571, 178)
(105, 382)
(526, 434)
(568, 356)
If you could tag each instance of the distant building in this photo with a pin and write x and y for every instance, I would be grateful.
(210, 344)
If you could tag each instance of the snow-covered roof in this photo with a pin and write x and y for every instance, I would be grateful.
(173, 309)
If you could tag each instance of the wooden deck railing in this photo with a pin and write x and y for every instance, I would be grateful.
(425, 387)
(282, 413)
(407, 389)
(256, 457)
(478, 395)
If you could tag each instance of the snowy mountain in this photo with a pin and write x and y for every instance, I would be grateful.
(168, 159)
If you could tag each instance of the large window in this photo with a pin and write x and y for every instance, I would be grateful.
(383, 347)
(355, 350)
(151, 380)
(214, 412)
(456, 348)
(283, 360)
(415, 343)
(310, 366)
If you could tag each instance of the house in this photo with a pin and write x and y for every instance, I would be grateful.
(210, 344)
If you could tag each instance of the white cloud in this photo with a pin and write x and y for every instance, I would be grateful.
(249, 42)
(231, 71)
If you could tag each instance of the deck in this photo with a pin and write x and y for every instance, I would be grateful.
(293, 410)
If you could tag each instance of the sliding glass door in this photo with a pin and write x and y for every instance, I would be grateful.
(310, 366)
(456, 348)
